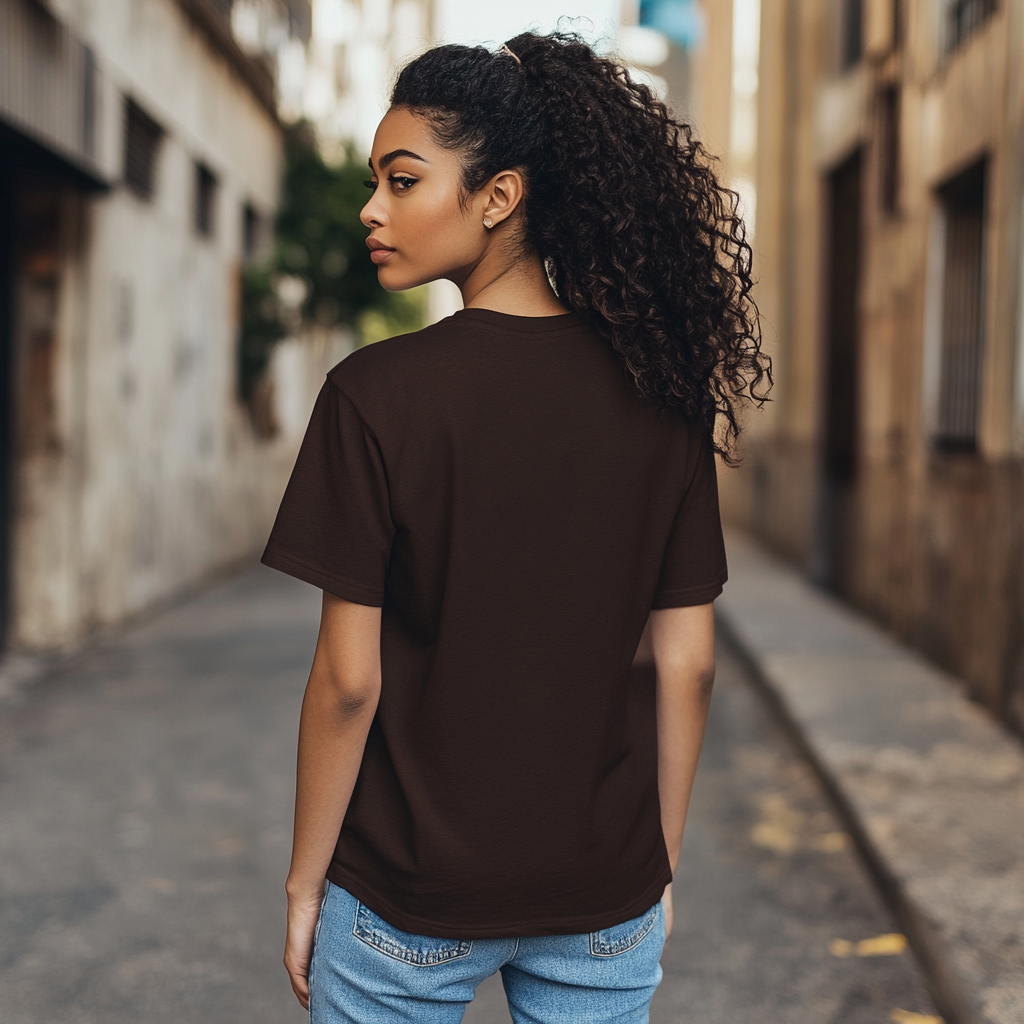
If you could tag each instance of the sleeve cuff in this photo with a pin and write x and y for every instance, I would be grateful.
(348, 590)
(684, 597)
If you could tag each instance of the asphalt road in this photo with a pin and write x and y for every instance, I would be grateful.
(145, 799)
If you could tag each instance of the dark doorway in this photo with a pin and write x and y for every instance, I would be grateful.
(840, 422)
(33, 181)
(8, 218)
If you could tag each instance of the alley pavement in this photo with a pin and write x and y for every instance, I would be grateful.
(145, 801)
(930, 785)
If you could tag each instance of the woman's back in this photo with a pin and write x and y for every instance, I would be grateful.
(497, 485)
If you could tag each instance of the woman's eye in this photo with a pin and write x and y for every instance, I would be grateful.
(402, 180)
(370, 184)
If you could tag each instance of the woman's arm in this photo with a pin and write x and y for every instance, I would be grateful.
(337, 709)
(684, 661)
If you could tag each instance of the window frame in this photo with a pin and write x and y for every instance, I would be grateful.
(143, 136)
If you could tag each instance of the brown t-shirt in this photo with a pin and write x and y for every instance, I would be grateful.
(495, 484)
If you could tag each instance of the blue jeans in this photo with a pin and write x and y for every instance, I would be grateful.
(365, 971)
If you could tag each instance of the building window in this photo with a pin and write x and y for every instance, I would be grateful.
(963, 301)
(965, 17)
(250, 231)
(889, 150)
(206, 190)
(89, 74)
(142, 137)
(851, 29)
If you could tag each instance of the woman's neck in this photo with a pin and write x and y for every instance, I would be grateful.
(521, 289)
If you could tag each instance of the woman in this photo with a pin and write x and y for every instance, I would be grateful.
(493, 507)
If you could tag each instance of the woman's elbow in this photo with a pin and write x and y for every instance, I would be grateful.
(688, 678)
(354, 701)
(344, 696)
(705, 680)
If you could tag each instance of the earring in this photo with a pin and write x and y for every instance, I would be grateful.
(488, 223)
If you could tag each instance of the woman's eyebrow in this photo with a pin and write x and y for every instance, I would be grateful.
(394, 155)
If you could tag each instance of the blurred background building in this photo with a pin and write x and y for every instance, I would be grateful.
(889, 178)
(181, 260)
(140, 167)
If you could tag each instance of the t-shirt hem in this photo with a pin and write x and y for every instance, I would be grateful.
(683, 597)
(349, 590)
(521, 928)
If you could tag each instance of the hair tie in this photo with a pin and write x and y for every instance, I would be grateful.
(511, 54)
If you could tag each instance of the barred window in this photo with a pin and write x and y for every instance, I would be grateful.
(889, 150)
(851, 43)
(963, 299)
(205, 193)
(965, 17)
(142, 137)
(89, 74)
(251, 231)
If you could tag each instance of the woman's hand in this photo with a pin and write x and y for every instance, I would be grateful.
(303, 911)
(666, 905)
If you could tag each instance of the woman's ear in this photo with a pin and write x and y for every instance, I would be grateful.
(504, 193)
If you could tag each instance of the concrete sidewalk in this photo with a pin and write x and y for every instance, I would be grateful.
(932, 788)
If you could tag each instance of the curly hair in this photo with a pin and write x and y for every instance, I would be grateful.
(623, 206)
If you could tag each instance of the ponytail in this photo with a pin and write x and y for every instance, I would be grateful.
(622, 205)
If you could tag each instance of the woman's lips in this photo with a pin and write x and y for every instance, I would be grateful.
(379, 252)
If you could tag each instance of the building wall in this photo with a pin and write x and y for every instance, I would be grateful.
(137, 469)
(355, 53)
(932, 540)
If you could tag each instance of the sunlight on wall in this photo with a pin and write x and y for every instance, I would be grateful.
(469, 21)
(746, 42)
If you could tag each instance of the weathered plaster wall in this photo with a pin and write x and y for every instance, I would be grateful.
(937, 543)
(138, 471)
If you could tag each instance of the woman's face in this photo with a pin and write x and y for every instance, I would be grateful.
(414, 210)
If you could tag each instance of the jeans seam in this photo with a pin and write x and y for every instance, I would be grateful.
(320, 915)
(395, 950)
(607, 950)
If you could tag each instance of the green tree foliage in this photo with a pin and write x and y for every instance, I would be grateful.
(319, 271)
(262, 327)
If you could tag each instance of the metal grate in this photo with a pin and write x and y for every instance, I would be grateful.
(49, 85)
(965, 17)
(141, 141)
(963, 340)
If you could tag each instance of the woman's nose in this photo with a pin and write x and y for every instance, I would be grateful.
(372, 215)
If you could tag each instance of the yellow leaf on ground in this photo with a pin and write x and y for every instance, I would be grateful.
(780, 825)
(882, 945)
(840, 947)
(773, 836)
(909, 1017)
(828, 842)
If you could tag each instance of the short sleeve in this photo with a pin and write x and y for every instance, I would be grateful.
(693, 569)
(334, 527)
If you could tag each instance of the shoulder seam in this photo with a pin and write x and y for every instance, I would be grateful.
(355, 408)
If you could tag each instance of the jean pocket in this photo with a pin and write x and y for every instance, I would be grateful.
(622, 937)
(417, 950)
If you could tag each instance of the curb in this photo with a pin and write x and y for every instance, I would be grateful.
(945, 989)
